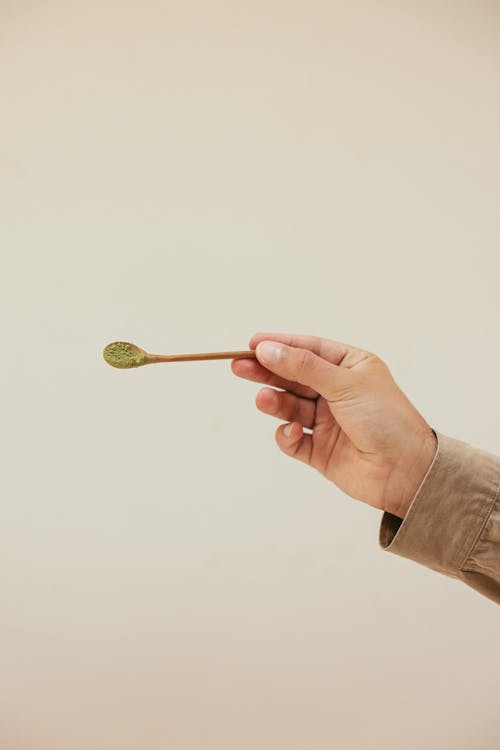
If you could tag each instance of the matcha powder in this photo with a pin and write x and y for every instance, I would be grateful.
(122, 355)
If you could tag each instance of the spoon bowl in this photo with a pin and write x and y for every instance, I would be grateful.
(124, 355)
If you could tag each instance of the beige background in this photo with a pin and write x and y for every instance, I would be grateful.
(182, 175)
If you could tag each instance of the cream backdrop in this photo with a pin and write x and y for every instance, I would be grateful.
(182, 175)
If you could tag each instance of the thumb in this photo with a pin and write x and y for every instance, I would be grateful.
(304, 367)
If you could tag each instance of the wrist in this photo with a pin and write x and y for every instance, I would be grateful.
(412, 470)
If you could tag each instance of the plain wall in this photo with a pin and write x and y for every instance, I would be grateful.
(183, 175)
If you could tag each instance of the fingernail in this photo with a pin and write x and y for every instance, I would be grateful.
(287, 430)
(269, 351)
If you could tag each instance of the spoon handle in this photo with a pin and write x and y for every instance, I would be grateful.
(208, 355)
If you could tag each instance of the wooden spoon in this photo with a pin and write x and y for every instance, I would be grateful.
(124, 355)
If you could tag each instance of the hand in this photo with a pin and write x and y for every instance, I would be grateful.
(366, 436)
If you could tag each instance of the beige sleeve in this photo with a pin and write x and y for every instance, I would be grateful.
(453, 523)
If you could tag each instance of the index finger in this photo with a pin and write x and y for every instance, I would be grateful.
(251, 369)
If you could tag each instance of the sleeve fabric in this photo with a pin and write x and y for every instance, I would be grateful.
(453, 522)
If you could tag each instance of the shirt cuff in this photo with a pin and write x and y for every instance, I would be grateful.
(448, 511)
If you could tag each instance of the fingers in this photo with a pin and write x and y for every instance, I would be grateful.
(287, 406)
(251, 369)
(303, 366)
(296, 444)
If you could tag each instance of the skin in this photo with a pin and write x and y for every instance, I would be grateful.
(349, 419)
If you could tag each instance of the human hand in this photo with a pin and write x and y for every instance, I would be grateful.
(366, 436)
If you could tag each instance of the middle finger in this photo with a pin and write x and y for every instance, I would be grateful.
(287, 406)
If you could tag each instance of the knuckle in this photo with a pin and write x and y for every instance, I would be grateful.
(374, 361)
(378, 362)
(374, 358)
(305, 363)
